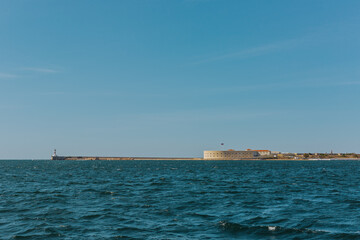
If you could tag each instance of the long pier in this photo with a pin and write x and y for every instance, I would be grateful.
(118, 158)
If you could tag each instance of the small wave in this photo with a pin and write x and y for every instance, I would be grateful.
(125, 237)
(158, 183)
(89, 190)
(343, 236)
(128, 229)
(107, 193)
(93, 216)
(236, 228)
(48, 233)
(201, 215)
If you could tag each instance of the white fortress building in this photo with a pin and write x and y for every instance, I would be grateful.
(230, 155)
(261, 152)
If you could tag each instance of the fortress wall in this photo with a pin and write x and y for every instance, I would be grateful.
(230, 155)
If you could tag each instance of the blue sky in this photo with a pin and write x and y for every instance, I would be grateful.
(174, 78)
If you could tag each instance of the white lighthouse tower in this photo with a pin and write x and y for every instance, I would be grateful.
(54, 156)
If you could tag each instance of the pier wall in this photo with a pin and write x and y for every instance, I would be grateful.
(117, 158)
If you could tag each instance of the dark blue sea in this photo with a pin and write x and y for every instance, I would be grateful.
(179, 199)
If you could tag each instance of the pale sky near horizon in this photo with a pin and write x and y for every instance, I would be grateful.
(174, 78)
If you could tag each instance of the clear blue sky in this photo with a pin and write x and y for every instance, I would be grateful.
(174, 78)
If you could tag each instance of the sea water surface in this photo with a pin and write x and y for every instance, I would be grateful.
(179, 199)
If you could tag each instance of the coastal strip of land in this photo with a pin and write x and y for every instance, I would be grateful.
(89, 158)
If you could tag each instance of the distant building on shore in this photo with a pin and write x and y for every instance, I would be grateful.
(230, 155)
(261, 152)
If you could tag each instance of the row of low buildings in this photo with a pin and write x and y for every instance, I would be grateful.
(231, 154)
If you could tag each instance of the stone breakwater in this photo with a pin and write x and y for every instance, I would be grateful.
(117, 158)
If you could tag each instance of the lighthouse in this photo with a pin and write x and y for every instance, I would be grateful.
(54, 156)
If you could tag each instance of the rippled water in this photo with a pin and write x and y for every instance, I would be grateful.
(179, 200)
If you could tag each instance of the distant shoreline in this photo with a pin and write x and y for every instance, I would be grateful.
(188, 159)
(91, 158)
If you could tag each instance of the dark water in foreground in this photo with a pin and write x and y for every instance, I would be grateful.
(179, 200)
